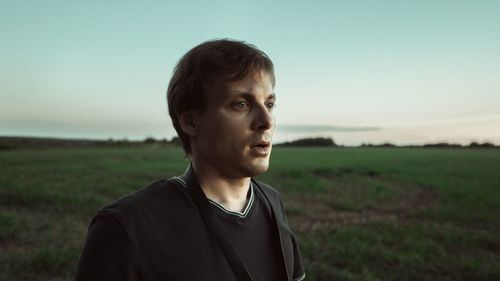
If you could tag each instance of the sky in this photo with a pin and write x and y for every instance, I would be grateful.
(405, 72)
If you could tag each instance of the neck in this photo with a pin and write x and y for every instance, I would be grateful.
(229, 192)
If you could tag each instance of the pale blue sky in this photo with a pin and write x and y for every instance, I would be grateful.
(418, 71)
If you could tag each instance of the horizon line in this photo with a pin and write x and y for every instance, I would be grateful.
(137, 140)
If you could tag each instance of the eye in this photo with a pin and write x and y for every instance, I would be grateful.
(270, 105)
(241, 105)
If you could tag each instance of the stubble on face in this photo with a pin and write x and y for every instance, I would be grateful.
(234, 132)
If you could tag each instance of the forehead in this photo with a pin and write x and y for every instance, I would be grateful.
(255, 83)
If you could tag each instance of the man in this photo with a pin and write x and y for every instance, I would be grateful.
(214, 222)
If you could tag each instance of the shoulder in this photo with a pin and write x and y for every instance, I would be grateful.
(159, 200)
(152, 193)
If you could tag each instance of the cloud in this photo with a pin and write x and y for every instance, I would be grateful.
(324, 128)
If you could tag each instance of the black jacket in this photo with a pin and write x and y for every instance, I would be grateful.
(157, 233)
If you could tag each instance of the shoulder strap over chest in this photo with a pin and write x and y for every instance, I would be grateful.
(278, 248)
(209, 216)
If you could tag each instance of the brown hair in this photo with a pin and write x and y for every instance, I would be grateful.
(207, 66)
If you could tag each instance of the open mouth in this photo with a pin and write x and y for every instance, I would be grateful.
(261, 148)
(261, 145)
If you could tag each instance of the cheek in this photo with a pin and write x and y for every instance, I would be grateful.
(217, 132)
(233, 123)
(223, 128)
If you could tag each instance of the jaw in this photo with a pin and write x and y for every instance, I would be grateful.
(258, 165)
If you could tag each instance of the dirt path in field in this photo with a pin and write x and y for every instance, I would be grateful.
(357, 198)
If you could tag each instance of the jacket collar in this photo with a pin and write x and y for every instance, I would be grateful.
(192, 183)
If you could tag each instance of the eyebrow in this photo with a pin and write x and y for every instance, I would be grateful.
(248, 95)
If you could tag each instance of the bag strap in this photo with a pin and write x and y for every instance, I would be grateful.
(282, 268)
(216, 229)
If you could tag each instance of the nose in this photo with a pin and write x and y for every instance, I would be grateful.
(264, 118)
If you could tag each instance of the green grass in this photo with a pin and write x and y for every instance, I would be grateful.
(360, 214)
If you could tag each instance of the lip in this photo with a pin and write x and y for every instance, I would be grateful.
(261, 148)
(262, 143)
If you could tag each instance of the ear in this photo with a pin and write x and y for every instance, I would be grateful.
(186, 120)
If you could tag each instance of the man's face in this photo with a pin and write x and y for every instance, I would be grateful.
(234, 132)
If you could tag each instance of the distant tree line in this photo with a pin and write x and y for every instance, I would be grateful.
(174, 140)
(12, 143)
(437, 145)
(309, 142)
(330, 142)
(385, 144)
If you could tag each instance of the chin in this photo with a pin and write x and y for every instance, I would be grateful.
(259, 167)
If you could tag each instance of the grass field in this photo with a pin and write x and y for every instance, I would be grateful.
(359, 213)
